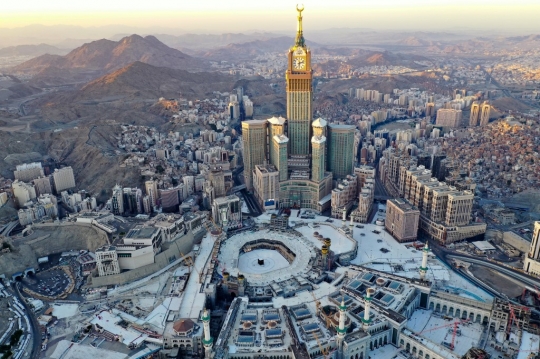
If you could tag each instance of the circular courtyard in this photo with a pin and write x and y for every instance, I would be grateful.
(266, 256)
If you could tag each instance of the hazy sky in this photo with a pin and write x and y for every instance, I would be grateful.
(240, 15)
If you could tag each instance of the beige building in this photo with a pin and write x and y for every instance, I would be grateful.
(402, 219)
(343, 196)
(279, 158)
(28, 171)
(445, 211)
(449, 117)
(133, 257)
(226, 212)
(266, 185)
(107, 261)
(486, 112)
(152, 191)
(475, 114)
(23, 192)
(63, 179)
(532, 259)
(254, 138)
(43, 185)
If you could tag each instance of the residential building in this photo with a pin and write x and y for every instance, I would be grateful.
(43, 185)
(28, 171)
(23, 192)
(402, 219)
(63, 179)
(449, 118)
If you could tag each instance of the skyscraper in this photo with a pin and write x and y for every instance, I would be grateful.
(340, 150)
(475, 112)
(532, 259)
(486, 111)
(254, 135)
(287, 143)
(152, 191)
(318, 144)
(299, 77)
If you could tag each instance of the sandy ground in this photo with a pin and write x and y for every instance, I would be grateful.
(496, 281)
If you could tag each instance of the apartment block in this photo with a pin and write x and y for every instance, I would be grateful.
(402, 219)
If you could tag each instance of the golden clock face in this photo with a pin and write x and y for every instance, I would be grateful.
(299, 63)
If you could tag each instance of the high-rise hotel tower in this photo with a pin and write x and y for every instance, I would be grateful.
(286, 160)
(299, 77)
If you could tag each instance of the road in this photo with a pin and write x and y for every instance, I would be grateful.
(251, 202)
(444, 254)
(36, 335)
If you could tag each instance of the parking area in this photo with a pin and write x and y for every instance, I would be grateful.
(49, 283)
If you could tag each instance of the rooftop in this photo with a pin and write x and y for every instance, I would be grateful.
(141, 232)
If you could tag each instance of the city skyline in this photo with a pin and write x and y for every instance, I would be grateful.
(215, 16)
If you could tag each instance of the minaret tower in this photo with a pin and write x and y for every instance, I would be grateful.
(341, 329)
(208, 341)
(424, 268)
(367, 308)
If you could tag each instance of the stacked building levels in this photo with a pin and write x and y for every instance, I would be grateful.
(532, 259)
(445, 210)
(303, 152)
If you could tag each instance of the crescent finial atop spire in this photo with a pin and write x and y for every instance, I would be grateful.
(299, 33)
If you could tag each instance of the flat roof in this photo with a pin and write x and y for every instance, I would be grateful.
(140, 232)
(65, 349)
(483, 245)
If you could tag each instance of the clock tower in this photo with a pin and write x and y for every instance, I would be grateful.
(299, 77)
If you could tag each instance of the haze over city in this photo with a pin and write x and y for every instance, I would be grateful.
(248, 180)
(219, 16)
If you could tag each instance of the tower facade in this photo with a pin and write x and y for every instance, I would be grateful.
(475, 114)
(340, 150)
(279, 158)
(299, 77)
(532, 259)
(287, 143)
(318, 159)
(254, 134)
(208, 341)
(486, 112)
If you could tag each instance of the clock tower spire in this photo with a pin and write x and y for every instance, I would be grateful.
(299, 33)
(299, 77)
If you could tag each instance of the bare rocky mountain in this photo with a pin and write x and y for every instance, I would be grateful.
(368, 58)
(104, 56)
(201, 42)
(146, 81)
(251, 49)
(31, 50)
(129, 89)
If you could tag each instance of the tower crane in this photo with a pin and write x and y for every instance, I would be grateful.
(191, 264)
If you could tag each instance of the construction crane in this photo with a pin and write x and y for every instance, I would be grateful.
(511, 319)
(318, 305)
(455, 326)
(191, 264)
(324, 351)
